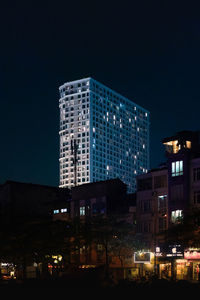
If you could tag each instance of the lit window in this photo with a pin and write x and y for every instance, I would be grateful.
(177, 168)
(176, 216)
(99, 247)
(162, 204)
(82, 211)
(188, 144)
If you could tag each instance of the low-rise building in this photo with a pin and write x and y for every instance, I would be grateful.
(20, 202)
(165, 196)
(102, 197)
(151, 209)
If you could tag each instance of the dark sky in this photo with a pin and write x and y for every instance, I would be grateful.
(149, 51)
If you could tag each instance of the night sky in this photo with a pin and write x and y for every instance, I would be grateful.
(148, 51)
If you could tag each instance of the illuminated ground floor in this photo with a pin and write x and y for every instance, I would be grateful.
(180, 269)
(183, 270)
(143, 265)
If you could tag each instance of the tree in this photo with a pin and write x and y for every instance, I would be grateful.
(115, 235)
(35, 240)
(187, 231)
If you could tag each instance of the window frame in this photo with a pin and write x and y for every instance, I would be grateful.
(177, 168)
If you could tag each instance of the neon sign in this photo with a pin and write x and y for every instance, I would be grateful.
(192, 254)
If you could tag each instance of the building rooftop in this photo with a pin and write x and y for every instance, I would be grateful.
(13, 182)
(181, 141)
(185, 134)
(104, 86)
(104, 182)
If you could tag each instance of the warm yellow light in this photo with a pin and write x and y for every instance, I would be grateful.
(174, 145)
(57, 257)
(188, 144)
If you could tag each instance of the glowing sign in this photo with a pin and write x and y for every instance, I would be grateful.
(158, 252)
(192, 254)
(142, 257)
(175, 251)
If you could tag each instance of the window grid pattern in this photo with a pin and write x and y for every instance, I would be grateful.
(112, 133)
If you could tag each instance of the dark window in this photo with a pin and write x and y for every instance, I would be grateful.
(146, 206)
(99, 207)
(197, 197)
(160, 181)
(144, 184)
(162, 224)
(196, 174)
(177, 193)
(147, 227)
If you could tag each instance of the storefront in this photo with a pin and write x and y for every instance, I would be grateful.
(186, 267)
(7, 271)
(171, 262)
(192, 255)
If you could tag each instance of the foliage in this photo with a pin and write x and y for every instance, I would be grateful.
(38, 240)
(34, 240)
(186, 232)
(112, 232)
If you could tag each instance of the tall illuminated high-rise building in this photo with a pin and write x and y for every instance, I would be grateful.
(109, 132)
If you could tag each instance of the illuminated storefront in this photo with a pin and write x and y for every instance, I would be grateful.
(186, 265)
(192, 255)
(7, 271)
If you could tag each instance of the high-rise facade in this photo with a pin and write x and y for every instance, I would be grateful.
(103, 135)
